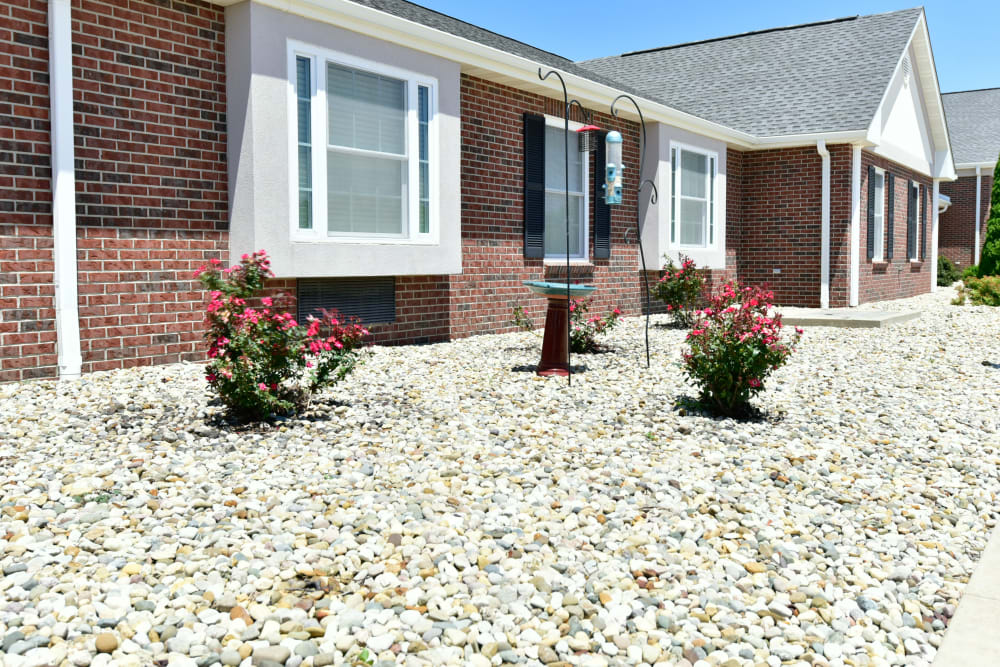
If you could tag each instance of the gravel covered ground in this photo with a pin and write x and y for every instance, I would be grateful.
(446, 506)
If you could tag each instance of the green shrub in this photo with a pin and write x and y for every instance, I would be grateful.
(970, 272)
(989, 259)
(983, 291)
(735, 344)
(262, 362)
(946, 273)
(680, 289)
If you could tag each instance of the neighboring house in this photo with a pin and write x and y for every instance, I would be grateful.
(974, 126)
(406, 166)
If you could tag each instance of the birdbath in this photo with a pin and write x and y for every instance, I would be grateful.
(555, 343)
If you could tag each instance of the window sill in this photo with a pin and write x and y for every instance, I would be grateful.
(365, 241)
(916, 261)
(551, 261)
(881, 262)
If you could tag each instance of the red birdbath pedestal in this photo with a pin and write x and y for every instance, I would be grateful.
(555, 343)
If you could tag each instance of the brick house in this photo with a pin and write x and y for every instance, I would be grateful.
(974, 127)
(388, 157)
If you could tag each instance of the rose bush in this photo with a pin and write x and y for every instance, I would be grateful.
(262, 362)
(735, 344)
(680, 288)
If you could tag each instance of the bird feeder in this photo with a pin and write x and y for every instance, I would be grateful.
(588, 137)
(613, 168)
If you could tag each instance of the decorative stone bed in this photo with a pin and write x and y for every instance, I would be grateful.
(446, 506)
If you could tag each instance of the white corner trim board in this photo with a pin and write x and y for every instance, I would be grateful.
(855, 224)
(824, 280)
(63, 189)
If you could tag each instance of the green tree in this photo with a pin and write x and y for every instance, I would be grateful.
(989, 260)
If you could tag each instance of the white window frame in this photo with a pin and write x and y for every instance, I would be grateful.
(552, 121)
(879, 208)
(916, 222)
(318, 231)
(711, 187)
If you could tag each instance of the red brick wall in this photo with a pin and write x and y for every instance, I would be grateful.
(27, 327)
(482, 297)
(899, 277)
(957, 225)
(149, 102)
(841, 159)
(779, 200)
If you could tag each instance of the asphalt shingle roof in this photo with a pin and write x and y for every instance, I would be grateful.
(453, 26)
(974, 124)
(820, 77)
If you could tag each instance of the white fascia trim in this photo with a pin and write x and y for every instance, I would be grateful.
(977, 165)
(64, 278)
(944, 165)
(859, 137)
(855, 280)
(388, 27)
(824, 273)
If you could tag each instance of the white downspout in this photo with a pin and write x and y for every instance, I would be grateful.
(824, 271)
(63, 189)
(934, 235)
(855, 225)
(979, 213)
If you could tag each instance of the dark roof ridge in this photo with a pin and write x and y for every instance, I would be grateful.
(741, 34)
(971, 90)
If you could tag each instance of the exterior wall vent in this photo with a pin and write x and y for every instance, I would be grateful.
(373, 300)
(907, 69)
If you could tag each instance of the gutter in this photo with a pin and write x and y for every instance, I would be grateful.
(63, 189)
(979, 213)
(824, 275)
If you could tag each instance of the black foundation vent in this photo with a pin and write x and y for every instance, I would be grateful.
(373, 300)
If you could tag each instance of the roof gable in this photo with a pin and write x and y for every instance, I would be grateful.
(974, 125)
(816, 78)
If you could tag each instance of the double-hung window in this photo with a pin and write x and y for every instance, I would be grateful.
(879, 184)
(692, 197)
(555, 194)
(363, 150)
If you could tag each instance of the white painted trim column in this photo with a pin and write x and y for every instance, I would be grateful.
(855, 224)
(934, 235)
(824, 273)
(979, 213)
(63, 189)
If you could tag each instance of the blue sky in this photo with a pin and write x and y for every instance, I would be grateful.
(962, 31)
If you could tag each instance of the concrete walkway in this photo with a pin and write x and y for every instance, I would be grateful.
(973, 636)
(844, 317)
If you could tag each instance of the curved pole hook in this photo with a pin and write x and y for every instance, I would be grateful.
(654, 195)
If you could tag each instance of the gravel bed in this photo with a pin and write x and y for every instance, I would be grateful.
(446, 506)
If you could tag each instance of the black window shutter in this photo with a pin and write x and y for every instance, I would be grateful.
(923, 222)
(602, 212)
(871, 212)
(534, 186)
(890, 184)
(911, 223)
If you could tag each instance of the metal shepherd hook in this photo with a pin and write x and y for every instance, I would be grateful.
(652, 199)
(567, 105)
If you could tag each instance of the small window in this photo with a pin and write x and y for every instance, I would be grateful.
(555, 194)
(879, 179)
(364, 157)
(692, 197)
(915, 203)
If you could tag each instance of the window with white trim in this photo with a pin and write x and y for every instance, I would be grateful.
(879, 181)
(555, 194)
(692, 197)
(915, 256)
(363, 149)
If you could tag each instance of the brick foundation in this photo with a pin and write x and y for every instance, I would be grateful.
(957, 225)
